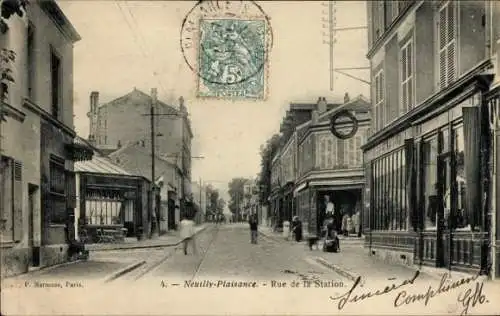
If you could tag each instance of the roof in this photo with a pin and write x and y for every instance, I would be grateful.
(146, 97)
(137, 160)
(59, 18)
(100, 164)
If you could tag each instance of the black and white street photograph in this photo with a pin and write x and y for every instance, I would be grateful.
(181, 157)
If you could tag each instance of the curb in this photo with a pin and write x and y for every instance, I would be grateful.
(119, 273)
(343, 272)
(43, 269)
(170, 244)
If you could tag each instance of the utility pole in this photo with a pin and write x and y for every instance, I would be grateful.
(331, 24)
(153, 157)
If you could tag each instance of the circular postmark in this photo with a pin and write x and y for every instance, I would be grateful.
(226, 42)
(347, 117)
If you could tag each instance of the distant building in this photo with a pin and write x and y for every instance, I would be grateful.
(126, 121)
(136, 159)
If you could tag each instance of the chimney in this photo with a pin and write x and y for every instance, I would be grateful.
(94, 101)
(321, 106)
(346, 97)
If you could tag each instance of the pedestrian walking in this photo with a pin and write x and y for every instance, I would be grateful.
(253, 229)
(187, 232)
(297, 228)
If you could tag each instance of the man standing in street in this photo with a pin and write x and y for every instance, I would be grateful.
(253, 228)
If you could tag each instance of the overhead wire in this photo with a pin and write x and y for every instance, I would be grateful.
(137, 39)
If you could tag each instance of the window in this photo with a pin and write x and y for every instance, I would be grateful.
(106, 208)
(379, 100)
(388, 191)
(55, 73)
(406, 66)
(31, 61)
(430, 157)
(461, 219)
(447, 44)
(57, 191)
(11, 211)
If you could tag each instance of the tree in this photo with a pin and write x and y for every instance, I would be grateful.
(7, 56)
(236, 193)
(267, 153)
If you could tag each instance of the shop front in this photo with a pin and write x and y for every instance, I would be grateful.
(428, 198)
(111, 206)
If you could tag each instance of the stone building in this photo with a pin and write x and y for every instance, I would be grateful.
(429, 161)
(38, 152)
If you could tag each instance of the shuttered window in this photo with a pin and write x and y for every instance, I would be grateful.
(11, 216)
(379, 100)
(57, 201)
(406, 71)
(447, 44)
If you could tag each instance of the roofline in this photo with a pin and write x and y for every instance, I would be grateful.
(144, 93)
(114, 175)
(52, 9)
(340, 107)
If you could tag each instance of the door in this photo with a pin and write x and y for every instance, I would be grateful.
(35, 251)
(444, 235)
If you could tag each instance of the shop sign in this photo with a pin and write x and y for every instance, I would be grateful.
(352, 124)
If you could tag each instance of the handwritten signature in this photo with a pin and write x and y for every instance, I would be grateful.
(349, 297)
(468, 298)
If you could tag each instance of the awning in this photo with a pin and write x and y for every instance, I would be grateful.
(339, 184)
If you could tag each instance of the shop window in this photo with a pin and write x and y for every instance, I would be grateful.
(106, 208)
(430, 157)
(460, 218)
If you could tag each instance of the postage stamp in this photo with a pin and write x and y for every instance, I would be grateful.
(227, 47)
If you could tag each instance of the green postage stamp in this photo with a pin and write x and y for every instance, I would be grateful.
(227, 45)
(232, 58)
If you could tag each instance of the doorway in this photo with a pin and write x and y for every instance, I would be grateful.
(35, 250)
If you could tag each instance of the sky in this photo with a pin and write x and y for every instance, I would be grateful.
(127, 44)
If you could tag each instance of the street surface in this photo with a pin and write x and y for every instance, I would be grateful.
(228, 274)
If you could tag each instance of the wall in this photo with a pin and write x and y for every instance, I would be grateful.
(126, 123)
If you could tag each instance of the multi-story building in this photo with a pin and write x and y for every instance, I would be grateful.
(328, 165)
(38, 152)
(311, 162)
(428, 196)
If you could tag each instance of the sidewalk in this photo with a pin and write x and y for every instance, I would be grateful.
(167, 240)
(105, 260)
(353, 260)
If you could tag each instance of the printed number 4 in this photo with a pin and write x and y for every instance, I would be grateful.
(231, 74)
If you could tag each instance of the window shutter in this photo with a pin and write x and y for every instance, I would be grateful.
(70, 190)
(442, 47)
(18, 201)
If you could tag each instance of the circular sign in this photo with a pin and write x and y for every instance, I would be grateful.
(226, 42)
(344, 114)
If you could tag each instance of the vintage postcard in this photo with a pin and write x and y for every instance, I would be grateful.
(249, 157)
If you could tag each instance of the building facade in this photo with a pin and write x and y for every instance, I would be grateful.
(38, 152)
(312, 163)
(328, 166)
(126, 120)
(427, 163)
